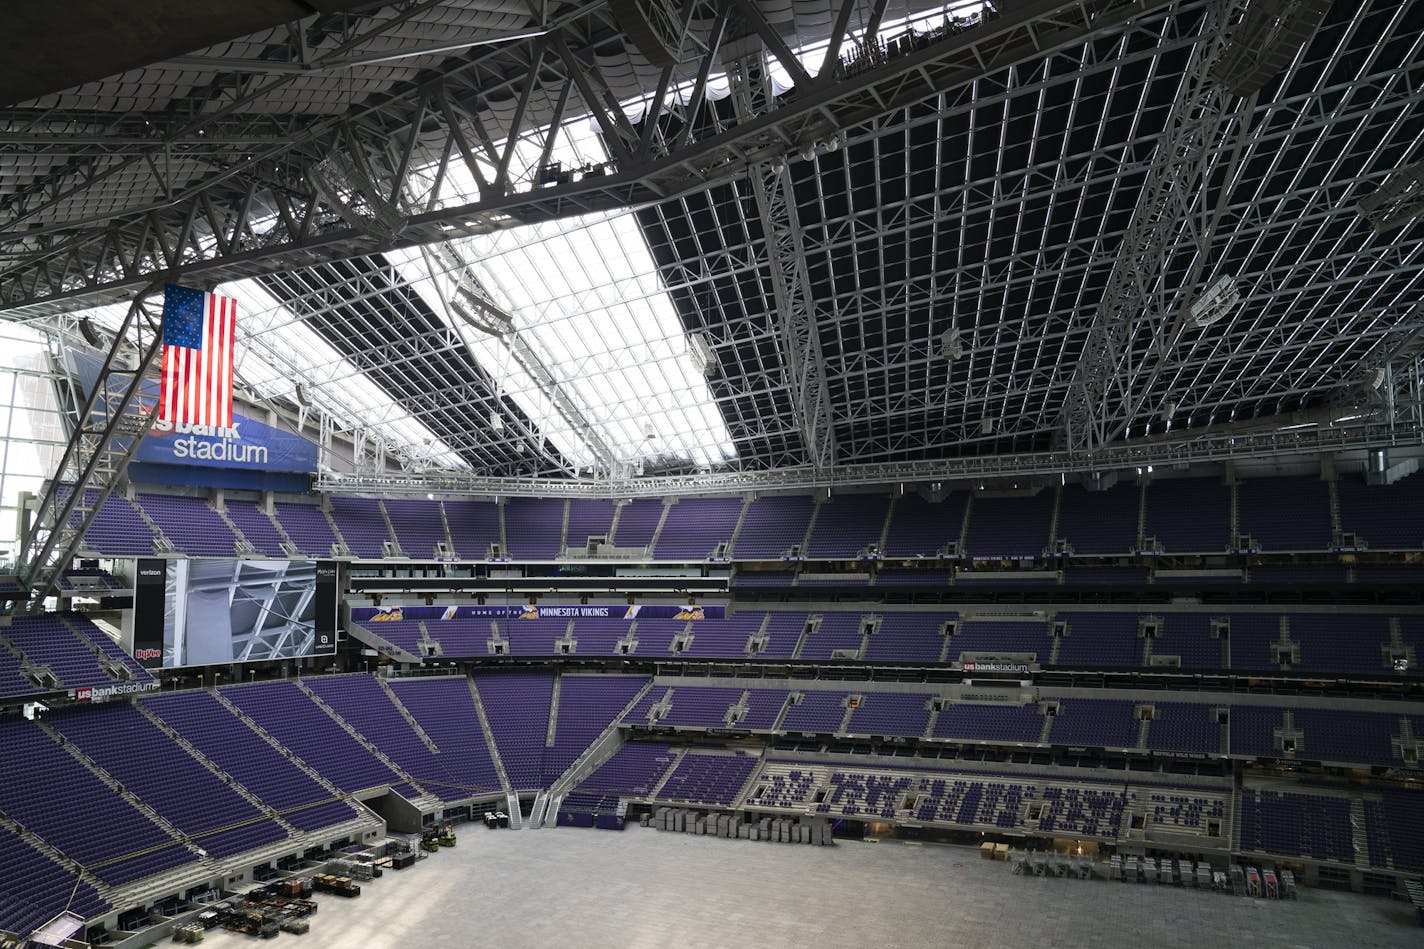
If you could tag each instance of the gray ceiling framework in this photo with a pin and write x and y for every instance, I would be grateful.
(974, 217)
(103, 38)
(995, 212)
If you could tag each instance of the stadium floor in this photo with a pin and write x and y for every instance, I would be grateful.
(644, 888)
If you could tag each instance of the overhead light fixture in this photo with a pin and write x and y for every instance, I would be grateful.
(477, 310)
(951, 347)
(700, 353)
(1399, 200)
(1218, 302)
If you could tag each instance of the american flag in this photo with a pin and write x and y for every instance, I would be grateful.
(198, 331)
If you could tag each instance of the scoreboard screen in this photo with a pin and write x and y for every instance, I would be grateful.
(216, 611)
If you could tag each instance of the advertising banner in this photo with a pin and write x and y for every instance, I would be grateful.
(150, 595)
(373, 614)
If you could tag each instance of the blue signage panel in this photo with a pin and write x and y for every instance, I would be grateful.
(249, 444)
(376, 614)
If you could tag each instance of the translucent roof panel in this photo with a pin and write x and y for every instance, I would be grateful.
(32, 434)
(587, 298)
(282, 351)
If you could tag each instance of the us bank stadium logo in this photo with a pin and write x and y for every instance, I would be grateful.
(208, 443)
(90, 693)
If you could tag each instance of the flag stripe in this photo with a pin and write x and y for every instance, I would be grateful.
(198, 359)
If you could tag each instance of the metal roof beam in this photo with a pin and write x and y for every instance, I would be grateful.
(1174, 209)
(66, 266)
(797, 319)
(1123, 456)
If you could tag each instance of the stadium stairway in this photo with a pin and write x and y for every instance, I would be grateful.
(343, 549)
(539, 810)
(161, 543)
(599, 750)
(405, 712)
(202, 759)
(737, 527)
(40, 844)
(844, 727)
(935, 708)
(552, 730)
(1048, 721)
(1234, 841)
(750, 781)
(1358, 835)
(289, 546)
(431, 644)
(658, 531)
(425, 800)
(813, 623)
(489, 740)
(515, 815)
(242, 547)
(114, 669)
(266, 736)
(677, 756)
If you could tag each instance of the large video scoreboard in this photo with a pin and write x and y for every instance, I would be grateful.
(215, 611)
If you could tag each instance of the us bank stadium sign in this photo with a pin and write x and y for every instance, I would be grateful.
(247, 444)
(1016, 667)
(94, 693)
(209, 443)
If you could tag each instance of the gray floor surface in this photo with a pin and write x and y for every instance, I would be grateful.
(644, 888)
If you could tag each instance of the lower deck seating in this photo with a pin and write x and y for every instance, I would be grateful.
(1025, 804)
(34, 889)
(50, 793)
(1392, 825)
(707, 778)
(1296, 824)
(1177, 811)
